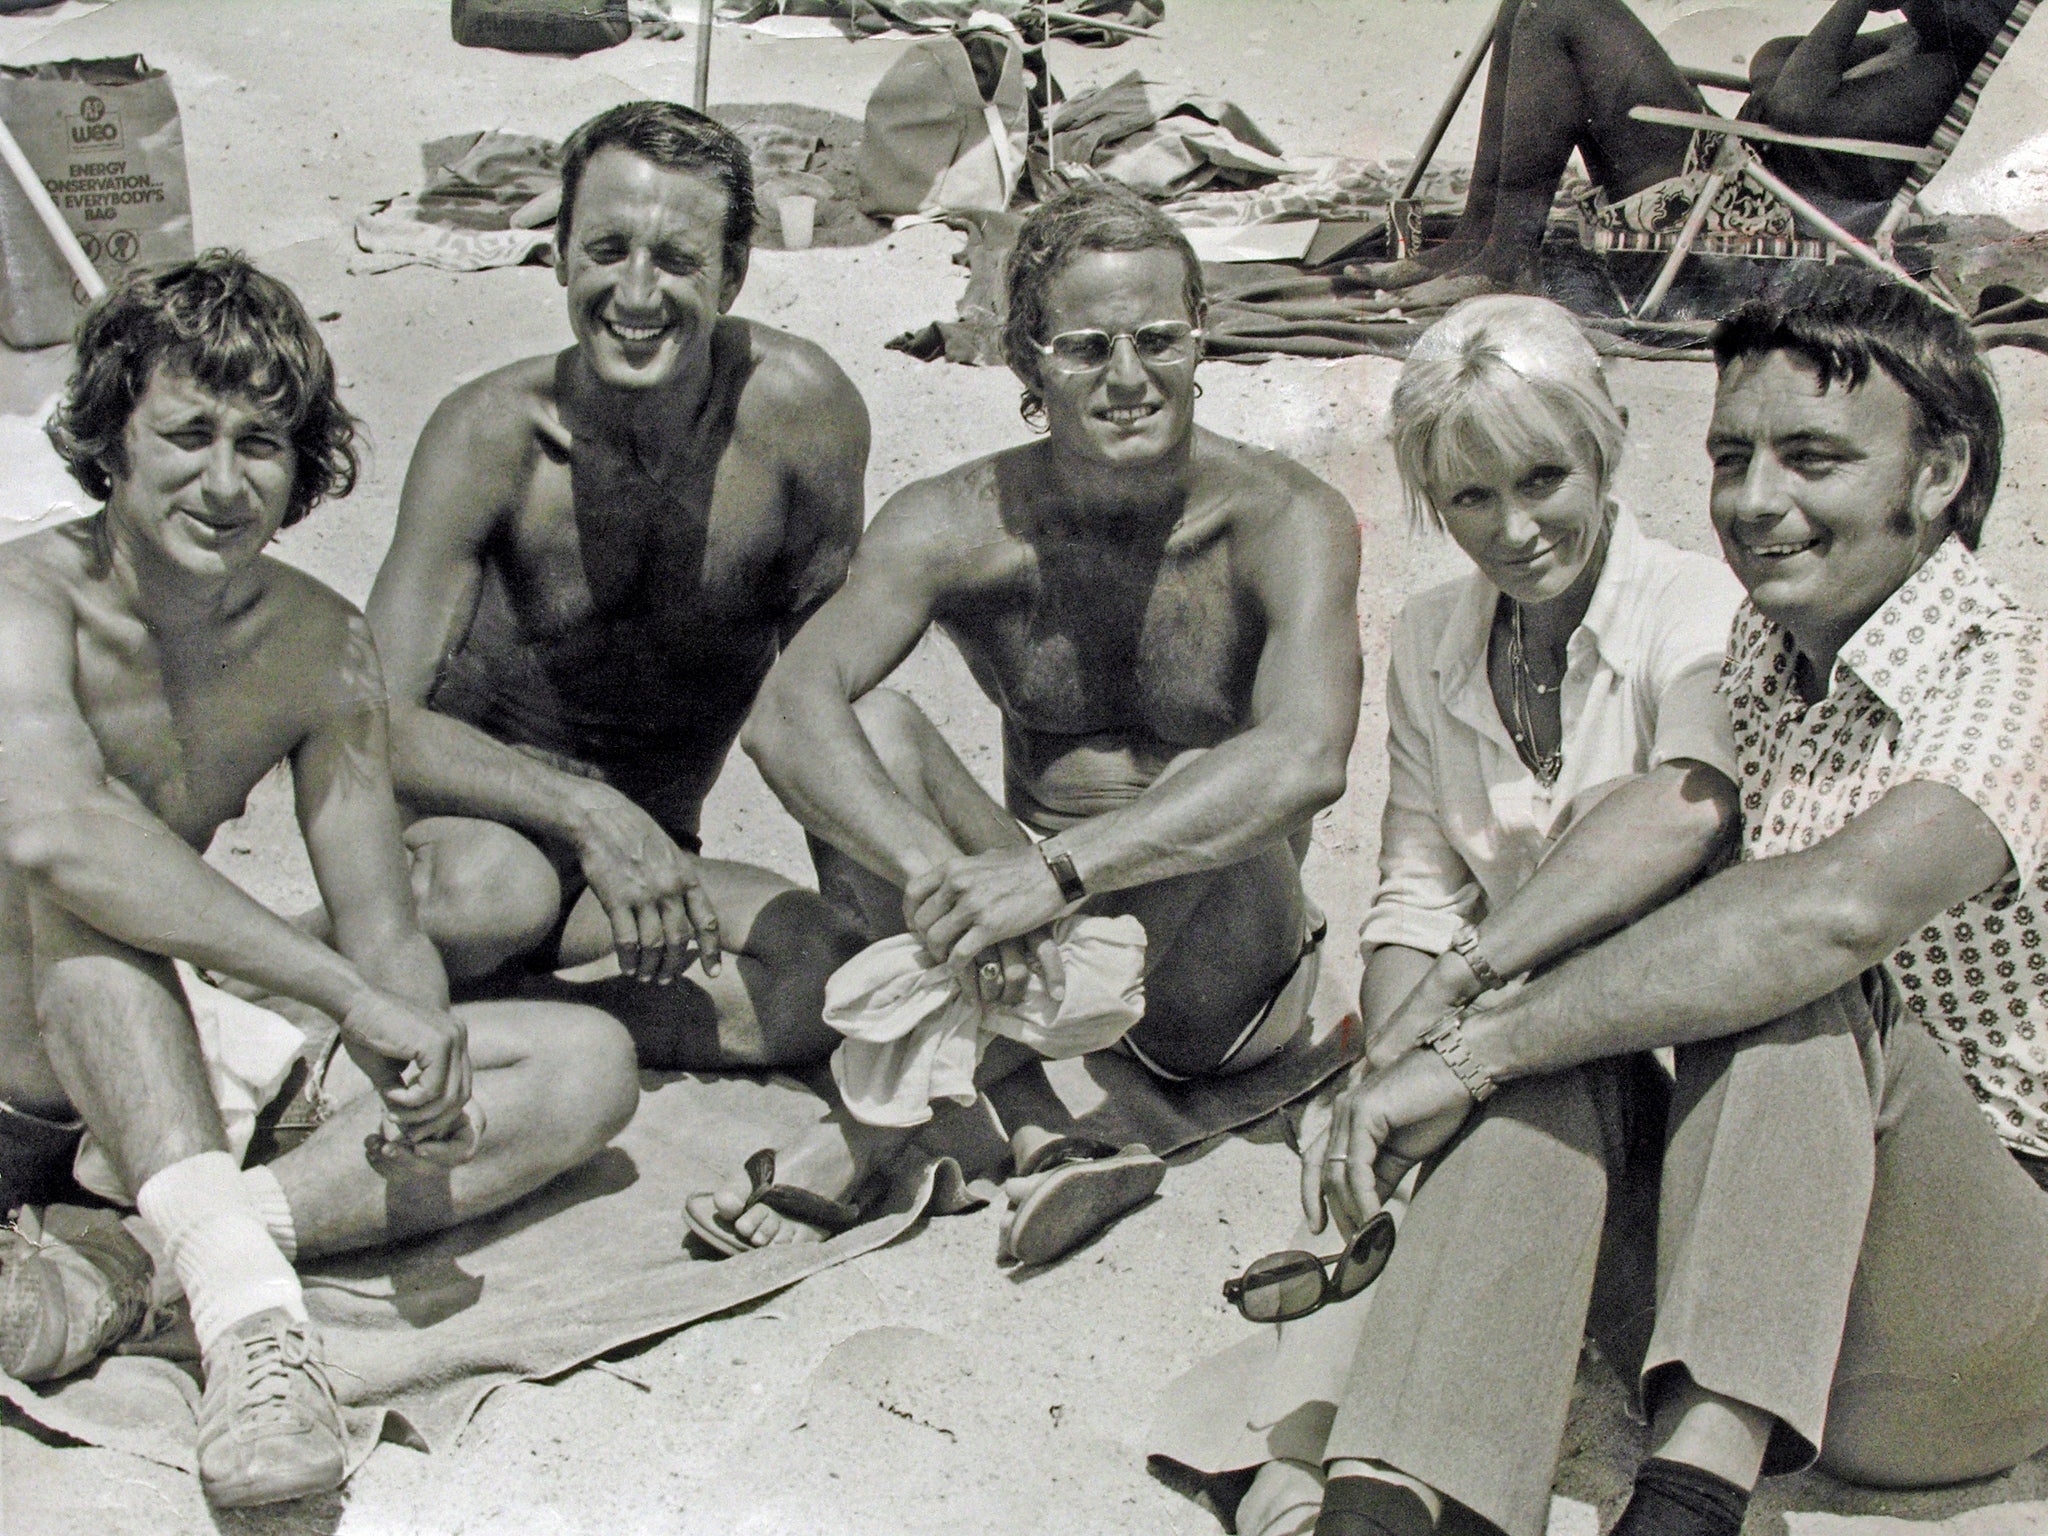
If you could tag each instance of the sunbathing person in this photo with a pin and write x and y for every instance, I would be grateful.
(1165, 619)
(1564, 75)
(1851, 1257)
(158, 665)
(1559, 764)
(598, 555)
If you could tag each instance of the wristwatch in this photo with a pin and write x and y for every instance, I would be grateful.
(1061, 863)
(1448, 1041)
(1465, 942)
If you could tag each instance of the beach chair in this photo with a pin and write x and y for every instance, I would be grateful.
(1821, 238)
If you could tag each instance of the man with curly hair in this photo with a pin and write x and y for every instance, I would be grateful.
(158, 665)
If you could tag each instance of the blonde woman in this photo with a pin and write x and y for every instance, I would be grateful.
(1560, 763)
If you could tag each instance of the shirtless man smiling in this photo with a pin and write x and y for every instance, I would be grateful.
(1165, 618)
(598, 554)
(158, 665)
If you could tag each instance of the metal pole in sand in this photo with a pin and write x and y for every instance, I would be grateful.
(703, 54)
(39, 199)
(1474, 57)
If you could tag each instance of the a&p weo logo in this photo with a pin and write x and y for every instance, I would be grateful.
(92, 128)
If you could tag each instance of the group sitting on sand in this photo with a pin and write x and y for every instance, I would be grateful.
(1783, 821)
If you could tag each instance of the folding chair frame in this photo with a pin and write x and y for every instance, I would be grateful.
(1737, 157)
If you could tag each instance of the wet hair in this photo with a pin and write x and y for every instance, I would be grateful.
(233, 331)
(1093, 216)
(1499, 377)
(674, 137)
(1842, 322)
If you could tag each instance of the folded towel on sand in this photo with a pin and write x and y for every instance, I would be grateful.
(913, 1038)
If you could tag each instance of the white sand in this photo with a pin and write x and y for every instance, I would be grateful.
(919, 1389)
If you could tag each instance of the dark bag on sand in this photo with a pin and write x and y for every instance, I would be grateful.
(540, 26)
(103, 134)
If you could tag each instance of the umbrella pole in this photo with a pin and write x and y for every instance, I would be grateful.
(703, 54)
(39, 199)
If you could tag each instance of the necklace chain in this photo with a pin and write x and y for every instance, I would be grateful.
(1522, 680)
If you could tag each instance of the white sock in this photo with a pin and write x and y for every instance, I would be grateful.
(275, 1210)
(224, 1256)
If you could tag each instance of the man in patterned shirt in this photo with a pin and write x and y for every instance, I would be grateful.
(1850, 1266)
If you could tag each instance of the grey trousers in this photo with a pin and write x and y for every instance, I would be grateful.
(1839, 1239)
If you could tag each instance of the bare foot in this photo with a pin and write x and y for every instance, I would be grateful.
(1437, 293)
(1389, 275)
(831, 1160)
(1283, 1500)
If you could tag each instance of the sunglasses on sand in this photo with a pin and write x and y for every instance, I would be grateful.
(1293, 1283)
(1162, 343)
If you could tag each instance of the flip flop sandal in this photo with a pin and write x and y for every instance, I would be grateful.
(807, 1206)
(1082, 1186)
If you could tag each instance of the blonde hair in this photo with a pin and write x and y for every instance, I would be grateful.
(1500, 377)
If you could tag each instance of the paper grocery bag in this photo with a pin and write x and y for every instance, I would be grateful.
(104, 136)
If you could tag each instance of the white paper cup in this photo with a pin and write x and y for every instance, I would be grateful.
(799, 215)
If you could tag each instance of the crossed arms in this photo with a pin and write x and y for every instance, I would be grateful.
(922, 555)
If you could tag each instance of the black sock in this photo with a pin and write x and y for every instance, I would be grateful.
(1365, 1506)
(1674, 1499)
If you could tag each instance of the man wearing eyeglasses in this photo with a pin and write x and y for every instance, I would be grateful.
(1166, 621)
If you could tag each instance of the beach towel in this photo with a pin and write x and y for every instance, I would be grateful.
(419, 1335)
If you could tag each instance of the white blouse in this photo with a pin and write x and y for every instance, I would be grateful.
(1466, 822)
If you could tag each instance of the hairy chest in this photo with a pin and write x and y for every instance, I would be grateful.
(695, 559)
(1093, 637)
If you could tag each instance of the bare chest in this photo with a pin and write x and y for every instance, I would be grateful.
(694, 559)
(189, 731)
(1096, 637)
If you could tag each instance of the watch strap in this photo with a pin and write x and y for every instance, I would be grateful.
(1061, 864)
(1465, 942)
(1448, 1041)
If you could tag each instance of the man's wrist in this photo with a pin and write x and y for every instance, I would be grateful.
(1059, 863)
(1447, 1039)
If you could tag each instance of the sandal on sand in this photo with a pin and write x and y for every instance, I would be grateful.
(1077, 1188)
(807, 1206)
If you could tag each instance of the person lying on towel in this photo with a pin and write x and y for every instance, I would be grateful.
(159, 664)
(1564, 75)
(1166, 620)
(598, 555)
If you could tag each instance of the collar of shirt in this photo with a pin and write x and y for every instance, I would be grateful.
(1941, 607)
(1459, 661)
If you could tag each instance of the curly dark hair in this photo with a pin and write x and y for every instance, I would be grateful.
(677, 139)
(233, 331)
(1093, 216)
(1844, 321)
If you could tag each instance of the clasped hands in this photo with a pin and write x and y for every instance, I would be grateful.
(417, 1058)
(1388, 1112)
(988, 917)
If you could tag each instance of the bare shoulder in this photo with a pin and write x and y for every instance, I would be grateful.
(1254, 494)
(42, 574)
(947, 530)
(798, 394)
(318, 639)
(495, 422)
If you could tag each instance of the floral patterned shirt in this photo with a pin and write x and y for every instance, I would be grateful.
(1947, 682)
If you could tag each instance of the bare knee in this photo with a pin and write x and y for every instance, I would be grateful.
(486, 894)
(897, 729)
(592, 1082)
